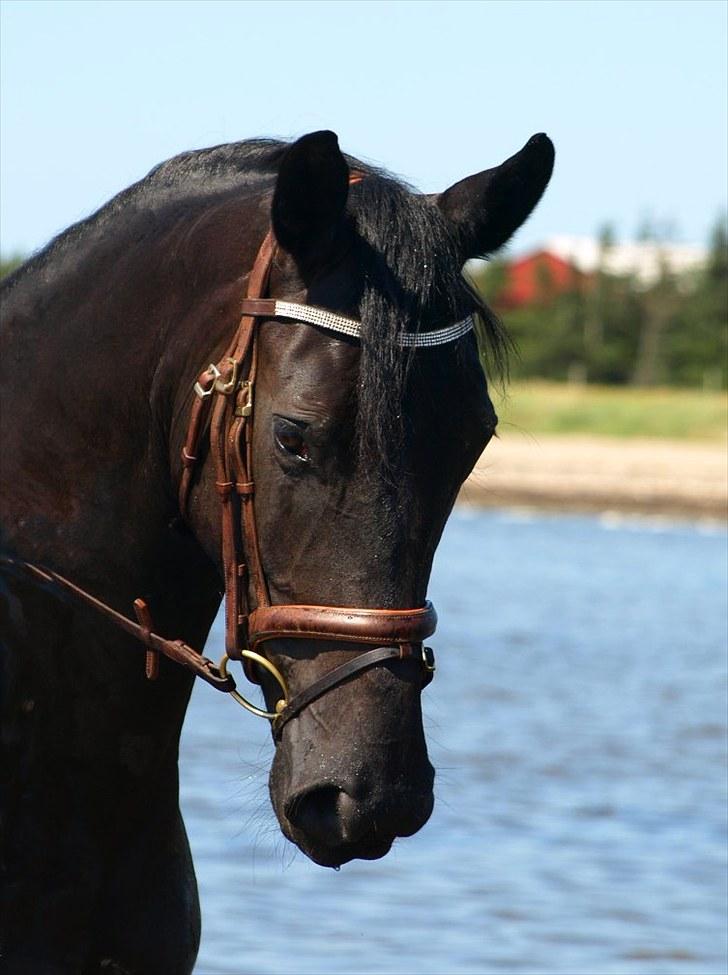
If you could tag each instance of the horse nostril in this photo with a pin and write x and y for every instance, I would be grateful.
(326, 813)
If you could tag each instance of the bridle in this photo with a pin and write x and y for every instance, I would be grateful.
(223, 409)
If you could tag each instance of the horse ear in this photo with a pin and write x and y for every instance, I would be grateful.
(488, 208)
(310, 195)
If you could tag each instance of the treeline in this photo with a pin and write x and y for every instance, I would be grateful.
(614, 330)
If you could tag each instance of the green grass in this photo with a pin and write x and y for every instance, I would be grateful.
(608, 411)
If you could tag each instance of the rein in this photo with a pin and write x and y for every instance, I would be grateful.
(225, 397)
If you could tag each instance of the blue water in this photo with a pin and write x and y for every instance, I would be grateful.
(578, 725)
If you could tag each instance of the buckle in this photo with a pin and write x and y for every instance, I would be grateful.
(226, 386)
(200, 389)
(428, 659)
(244, 405)
(219, 383)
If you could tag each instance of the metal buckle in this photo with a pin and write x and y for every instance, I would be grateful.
(428, 659)
(244, 406)
(200, 390)
(226, 386)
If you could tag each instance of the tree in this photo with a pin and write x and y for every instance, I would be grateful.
(8, 264)
(697, 344)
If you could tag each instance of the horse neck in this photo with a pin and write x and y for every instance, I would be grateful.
(107, 339)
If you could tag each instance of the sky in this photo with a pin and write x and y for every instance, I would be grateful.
(94, 94)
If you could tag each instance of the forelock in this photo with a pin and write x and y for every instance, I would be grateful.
(412, 281)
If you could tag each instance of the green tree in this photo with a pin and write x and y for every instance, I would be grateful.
(8, 264)
(697, 339)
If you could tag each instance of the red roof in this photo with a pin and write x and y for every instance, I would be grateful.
(537, 279)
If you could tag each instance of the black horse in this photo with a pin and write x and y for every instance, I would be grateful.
(360, 446)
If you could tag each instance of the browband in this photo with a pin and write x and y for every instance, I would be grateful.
(332, 322)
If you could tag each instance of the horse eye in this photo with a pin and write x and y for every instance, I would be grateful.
(289, 438)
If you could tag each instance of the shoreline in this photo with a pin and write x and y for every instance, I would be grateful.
(671, 478)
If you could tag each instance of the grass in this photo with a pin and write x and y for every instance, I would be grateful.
(608, 411)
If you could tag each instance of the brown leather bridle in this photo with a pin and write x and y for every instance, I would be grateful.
(225, 393)
(223, 410)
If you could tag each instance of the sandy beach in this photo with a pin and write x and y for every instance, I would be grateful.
(664, 477)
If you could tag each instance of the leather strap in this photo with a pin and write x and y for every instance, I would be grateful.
(198, 416)
(176, 650)
(353, 625)
(260, 307)
(339, 675)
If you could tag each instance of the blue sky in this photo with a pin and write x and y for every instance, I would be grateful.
(633, 93)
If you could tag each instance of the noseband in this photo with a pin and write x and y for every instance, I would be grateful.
(224, 409)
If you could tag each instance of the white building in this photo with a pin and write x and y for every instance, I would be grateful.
(645, 260)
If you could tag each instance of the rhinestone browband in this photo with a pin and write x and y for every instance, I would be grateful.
(348, 326)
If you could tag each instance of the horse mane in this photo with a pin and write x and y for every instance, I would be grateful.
(412, 273)
(413, 281)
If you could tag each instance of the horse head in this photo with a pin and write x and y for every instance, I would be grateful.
(359, 446)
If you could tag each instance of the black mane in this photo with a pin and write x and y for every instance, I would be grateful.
(414, 282)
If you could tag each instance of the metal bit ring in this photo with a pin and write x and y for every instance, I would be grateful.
(272, 669)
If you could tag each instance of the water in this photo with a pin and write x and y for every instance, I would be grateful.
(578, 725)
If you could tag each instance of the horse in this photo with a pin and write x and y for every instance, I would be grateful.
(306, 473)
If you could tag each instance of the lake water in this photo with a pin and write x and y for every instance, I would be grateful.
(577, 723)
